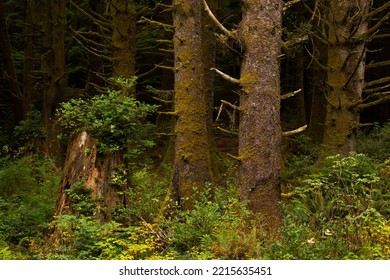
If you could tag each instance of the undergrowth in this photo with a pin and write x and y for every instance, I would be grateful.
(338, 211)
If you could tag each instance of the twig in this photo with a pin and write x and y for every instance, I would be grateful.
(231, 105)
(227, 131)
(290, 94)
(295, 131)
(226, 76)
(289, 4)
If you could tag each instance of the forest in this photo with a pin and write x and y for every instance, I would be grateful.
(194, 129)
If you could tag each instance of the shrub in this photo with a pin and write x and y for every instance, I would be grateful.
(117, 121)
(218, 227)
(375, 143)
(27, 198)
(85, 238)
(333, 213)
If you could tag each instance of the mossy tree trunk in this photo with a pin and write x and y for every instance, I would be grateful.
(123, 37)
(259, 36)
(345, 75)
(260, 131)
(192, 152)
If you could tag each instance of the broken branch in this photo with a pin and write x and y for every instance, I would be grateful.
(295, 131)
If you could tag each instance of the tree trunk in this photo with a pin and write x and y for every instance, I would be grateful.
(53, 22)
(192, 153)
(9, 74)
(123, 38)
(260, 131)
(84, 165)
(346, 68)
(208, 57)
(316, 90)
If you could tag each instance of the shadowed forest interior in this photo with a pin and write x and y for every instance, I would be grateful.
(194, 129)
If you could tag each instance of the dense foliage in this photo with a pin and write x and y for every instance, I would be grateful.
(116, 120)
(337, 211)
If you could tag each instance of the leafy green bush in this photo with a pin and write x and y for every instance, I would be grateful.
(81, 199)
(85, 238)
(218, 227)
(28, 189)
(375, 143)
(302, 154)
(117, 121)
(333, 213)
(30, 128)
(147, 191)
(5, 252)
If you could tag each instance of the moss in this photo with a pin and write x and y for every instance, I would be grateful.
(249, 78)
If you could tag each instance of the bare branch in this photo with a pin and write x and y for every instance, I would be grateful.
(290, 94)
(168, 113)
(380, 36)
(227, 131)
(165, 67)
(378, 64)
(373, 90)
(101, 22)
(93, 51)
(293, 132)
(365, 124)
(374, 103)
(295, 41)
(217, 22)
(162, 100)
(226, 76)
(289, 4)
(92, 42)
(378, 10)
(378, 81)
(373, 29)
(231, 105)
(156, 66)
(167, 27)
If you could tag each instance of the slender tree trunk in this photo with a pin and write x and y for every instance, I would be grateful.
(346, 68)
(208, 57)
(260, 131)
(15, 94)
(300, 84)
(192, 153)
(96, 65)
(53, 22)
(316, 89)
(123, 37)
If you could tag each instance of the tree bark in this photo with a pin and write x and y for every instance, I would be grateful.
(123, 37)
(345, 76)
(260, 131)
(192, 152)
(84, 165)
(52, 23)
